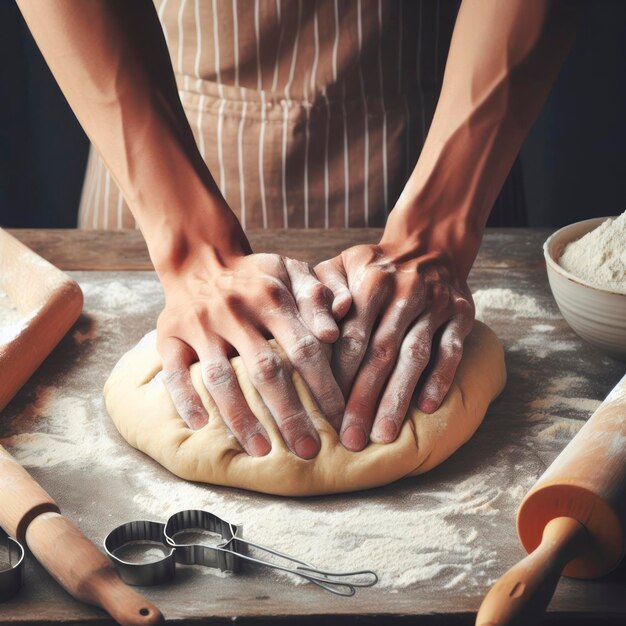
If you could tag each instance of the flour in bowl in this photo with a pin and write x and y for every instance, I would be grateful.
(599, 258)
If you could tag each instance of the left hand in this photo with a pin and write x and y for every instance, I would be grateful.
(407, 311)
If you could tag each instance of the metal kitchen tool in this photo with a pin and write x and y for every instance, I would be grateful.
(227, 554)
(11, 576)
(30, 515)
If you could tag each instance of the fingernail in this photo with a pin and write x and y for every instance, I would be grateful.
(258, 445)
(306, 448)
(385, 431)
(354, 438)
(428, 405)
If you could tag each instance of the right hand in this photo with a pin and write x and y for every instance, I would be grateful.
(215, 310)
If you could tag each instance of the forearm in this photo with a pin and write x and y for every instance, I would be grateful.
(503, 59)
(111, 62)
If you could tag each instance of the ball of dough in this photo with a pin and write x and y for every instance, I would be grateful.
(141, 408)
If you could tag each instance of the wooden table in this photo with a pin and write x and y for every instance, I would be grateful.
(553, 377)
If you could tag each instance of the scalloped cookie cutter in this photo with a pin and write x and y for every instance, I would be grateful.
(228, 554)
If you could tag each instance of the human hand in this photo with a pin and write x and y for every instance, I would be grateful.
(407, 310)
(215, 310)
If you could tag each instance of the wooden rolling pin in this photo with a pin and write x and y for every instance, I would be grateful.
(572, 522)
(30, 515)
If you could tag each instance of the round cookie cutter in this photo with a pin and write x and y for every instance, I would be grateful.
(11, 577)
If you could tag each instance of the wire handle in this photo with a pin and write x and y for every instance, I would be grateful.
(335, 582)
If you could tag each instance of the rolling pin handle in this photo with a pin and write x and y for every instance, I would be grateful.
(121, 602)
(85, 572)
(523, 593)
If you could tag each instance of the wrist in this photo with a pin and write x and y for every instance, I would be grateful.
(417, 230)
(211, 239)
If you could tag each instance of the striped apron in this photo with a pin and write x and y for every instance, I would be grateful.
(308, 113)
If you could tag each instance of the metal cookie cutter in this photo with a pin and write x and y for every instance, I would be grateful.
(11, 577)
(228, 554)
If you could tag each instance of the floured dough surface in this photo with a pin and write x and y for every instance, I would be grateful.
(142, 410)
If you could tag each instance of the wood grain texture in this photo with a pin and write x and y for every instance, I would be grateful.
(522, 594)
(126, 250)
(506, 443)
(84, 572)
(50, 301)
(21, 497)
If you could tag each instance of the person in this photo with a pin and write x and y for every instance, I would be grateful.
(306, 114)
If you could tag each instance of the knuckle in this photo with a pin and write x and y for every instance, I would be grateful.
(323, 267)
(418, 349)
(382, 351)
(268, 259)
(439, 383)
(321, 293)
(217, 373)
(454, 346)
(360, 407)
(172, 376)
(238, 420)
(298, 266)
(451, 350)
(305, 348)
(267, 366)
(331, 400)
(292, 423)
(274, 291)
(231, 300)
(352, 343)
(440, 297)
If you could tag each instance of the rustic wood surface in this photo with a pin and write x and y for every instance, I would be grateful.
(510, 259)
(126, 250)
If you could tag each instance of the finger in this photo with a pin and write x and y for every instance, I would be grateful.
(413, 359)
(314, 300)
(447, 359)
(221, 382)
(306, 354)
(334, 277)
(177, 358)
(355, 332)
(271, 378)
(379, 360)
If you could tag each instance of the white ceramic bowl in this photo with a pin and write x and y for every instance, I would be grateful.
(597, 315)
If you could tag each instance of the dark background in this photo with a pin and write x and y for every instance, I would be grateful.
(573, 163)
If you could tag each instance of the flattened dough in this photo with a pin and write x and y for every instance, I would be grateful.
(145, 416)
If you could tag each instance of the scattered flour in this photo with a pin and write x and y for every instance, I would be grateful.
(559, 412)
(599, 258)
(64, 429)
(537, 345)
(520, 305)
(438, 532)
(437, 540)
(123, 297)
(542, 328)
(561, 429)
(408, 536)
